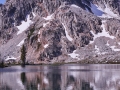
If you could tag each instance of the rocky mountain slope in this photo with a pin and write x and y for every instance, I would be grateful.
(55, 31)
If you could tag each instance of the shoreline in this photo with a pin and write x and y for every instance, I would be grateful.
(87, 62)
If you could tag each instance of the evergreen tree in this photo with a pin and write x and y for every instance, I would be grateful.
(2, 64)
(23, 55)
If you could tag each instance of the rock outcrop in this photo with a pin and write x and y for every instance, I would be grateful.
(60, 30)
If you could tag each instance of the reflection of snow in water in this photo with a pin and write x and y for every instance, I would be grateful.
(13, 80)
(70, 87)
(99, 78)
(46, 80)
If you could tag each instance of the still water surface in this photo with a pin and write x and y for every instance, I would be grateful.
(61, 77)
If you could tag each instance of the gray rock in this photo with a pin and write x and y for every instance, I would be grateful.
(69, 31)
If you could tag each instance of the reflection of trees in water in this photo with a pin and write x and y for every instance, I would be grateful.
(86, 86)
(56, 81)
(55, 78)
(77, 84)
(5, 87)
(59, 79)
(32, 85)
(32, 82)
(23, 77)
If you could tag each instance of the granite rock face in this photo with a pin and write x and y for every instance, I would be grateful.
(60, 30)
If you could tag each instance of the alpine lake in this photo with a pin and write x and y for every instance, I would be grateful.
(61, 77)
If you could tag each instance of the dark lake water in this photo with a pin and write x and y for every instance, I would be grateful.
(61, 77)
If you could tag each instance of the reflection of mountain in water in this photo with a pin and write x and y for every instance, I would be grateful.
(60, 78)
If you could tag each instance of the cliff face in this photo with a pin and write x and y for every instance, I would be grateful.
(60, 30)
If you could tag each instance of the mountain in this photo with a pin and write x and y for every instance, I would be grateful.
(60, 31)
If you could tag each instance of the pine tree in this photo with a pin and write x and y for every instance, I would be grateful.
(2, 64)
(23, 55)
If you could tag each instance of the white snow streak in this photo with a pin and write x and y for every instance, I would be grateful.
(97, 50)
(33, 14)
(21, 43)
(45, 46)
(10, 57)
(24, 25)
(113, 47)
(38, 39)
(67, 35)
(44, 24)
(104, 33)
(48, 17)
(74, 55)
(73, 5)
(39, 32)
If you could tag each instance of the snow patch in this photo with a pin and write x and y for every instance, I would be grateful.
(44, 24)
(113, 47)
(74, 55)
(10, 57)
(118, 43)
(67, 35)
(21, 43)
(73, 5)
(45, 46)
(48, 17)
(104, 13)
(97, 50)
(39, 32)
(34, 15)
(104, 33)
(24, 25)
(38, 39)
(107, 12)
(108, 44)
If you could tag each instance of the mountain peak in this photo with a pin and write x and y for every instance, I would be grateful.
(59, 30)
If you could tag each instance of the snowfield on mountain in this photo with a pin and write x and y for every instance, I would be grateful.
(60, 31)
